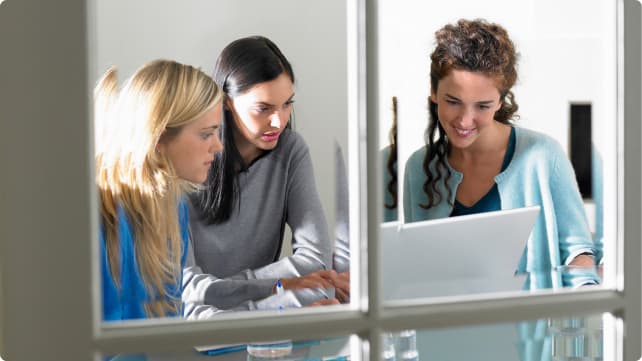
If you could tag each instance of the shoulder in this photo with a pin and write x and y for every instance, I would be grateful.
(536, 143)
(291, 141)
(291, 149)
(416, 160)
(385, 152)
(125, 232)
(534, 138)
(415, 163)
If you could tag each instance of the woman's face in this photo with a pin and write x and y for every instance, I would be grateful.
(261, 114)
(466, 105)
(192, 150)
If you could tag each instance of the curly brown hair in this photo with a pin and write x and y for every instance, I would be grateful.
(476, 46)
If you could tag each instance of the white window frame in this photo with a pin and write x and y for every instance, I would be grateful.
(49, 290)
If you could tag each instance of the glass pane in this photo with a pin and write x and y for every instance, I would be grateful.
(558, 339)
(288, 216)
(557, 151)
(334, 349)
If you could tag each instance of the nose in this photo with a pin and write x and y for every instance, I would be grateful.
(467, 116)
(276, 120)
(216, 146)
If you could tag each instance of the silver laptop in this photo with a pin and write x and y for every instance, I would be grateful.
(477, 253)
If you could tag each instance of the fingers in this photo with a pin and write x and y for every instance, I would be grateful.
(342, 295)
(325, 302)
(323, 279)
(342, 281)
(312, 280)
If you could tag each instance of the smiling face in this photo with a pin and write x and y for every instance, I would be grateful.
(466, 105)
(192, 150)
(260, 115)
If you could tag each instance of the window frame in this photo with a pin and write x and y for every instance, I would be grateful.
(64, 244)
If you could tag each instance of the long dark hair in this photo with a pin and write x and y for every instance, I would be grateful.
(242, 64)
(391, 162)
(476, 46)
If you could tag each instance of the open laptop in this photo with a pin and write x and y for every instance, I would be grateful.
(477, 253)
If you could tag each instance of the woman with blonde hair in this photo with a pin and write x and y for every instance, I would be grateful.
(155, 140)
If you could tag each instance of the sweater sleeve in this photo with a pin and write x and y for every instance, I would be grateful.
(201, 291)
(572, 225)
(311, 247)
(573, 230)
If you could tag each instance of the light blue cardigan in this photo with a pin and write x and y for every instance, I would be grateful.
(539, 174)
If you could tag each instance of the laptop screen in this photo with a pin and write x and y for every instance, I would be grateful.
(477, 253)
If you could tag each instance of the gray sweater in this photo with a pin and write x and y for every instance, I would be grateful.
(232, 264)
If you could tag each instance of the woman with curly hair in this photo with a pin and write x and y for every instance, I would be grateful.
(476, 160)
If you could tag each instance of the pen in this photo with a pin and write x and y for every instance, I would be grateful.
(224, 350)
(279, 287)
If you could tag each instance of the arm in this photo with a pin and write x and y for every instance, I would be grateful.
(341, 256)
(575, 241)
(202, 292)
(573, 231)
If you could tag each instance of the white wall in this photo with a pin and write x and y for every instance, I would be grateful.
(311, 34)
(567, 53)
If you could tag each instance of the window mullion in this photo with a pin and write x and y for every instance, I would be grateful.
(176, 335)
(415, 314)
(629, 79)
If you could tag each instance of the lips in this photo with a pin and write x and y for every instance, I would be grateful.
(270, 136)
(464, 132)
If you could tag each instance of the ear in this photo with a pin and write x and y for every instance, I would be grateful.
(160, 147)
(433, 96)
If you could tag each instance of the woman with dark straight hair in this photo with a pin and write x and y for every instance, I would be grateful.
(261, 181)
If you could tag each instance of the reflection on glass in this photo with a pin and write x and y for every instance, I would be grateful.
(389, 158)
(400, 346)
(558, 339)
(576, 338)
(335, 349)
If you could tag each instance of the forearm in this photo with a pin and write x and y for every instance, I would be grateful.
(224, 293)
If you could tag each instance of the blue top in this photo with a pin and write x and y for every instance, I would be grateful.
(129, 304)
(491, 200)
(539, 174)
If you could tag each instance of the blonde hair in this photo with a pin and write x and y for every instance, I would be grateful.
(153, 106)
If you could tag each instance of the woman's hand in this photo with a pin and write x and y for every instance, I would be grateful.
(583, 260)
(322, 279)
(325, 302)
(318, 279)
(342, 287)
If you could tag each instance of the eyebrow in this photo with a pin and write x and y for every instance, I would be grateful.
(268, 104)
(212, 127)
(483, 102)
